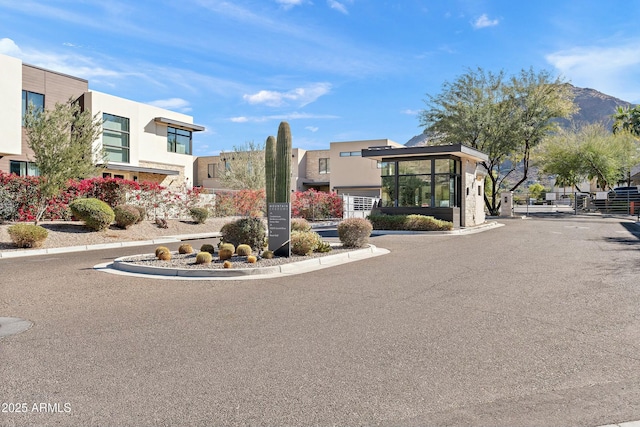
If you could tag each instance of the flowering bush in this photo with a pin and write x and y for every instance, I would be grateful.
(312, 205)
(240, 203)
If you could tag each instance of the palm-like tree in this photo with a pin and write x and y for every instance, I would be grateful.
(627, 119)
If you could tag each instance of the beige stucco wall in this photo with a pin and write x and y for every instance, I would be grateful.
(147, 139)
(353, 172)
(11, 105)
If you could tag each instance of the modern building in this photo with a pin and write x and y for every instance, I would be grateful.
(341, 169)
(142, 142)
(445, 181)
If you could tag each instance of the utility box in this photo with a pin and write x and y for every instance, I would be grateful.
(506, 204)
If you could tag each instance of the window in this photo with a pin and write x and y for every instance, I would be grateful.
(323, 165)
(115, 138)
(23, 168)
(421, 183)
(178, 140)
(36, 100)
(212, 170)
(350, 153)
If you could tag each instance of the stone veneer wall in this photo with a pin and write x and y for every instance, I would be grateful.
(474, 203)
(170, 181)
(313, 165)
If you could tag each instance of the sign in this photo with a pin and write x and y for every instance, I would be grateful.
(279, 224)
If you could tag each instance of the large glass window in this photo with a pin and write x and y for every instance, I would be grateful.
(35, 100)
(420, 183)
(350, 153)
(23, 168)
(178, 140)
(115, 138)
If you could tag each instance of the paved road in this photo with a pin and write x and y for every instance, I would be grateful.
(534, 323)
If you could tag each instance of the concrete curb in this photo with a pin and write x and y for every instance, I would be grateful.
(462, 231)
(119, 266)
(123, 244)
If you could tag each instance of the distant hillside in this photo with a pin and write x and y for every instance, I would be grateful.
(595, 107)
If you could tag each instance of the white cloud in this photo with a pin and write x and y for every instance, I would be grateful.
(288, 4)
(176, 104)
(336, 5)
(613, 70)
(10, 48)
(289, 116)
(410, 112)
(483, 22)
(312, 128)
(300, 96)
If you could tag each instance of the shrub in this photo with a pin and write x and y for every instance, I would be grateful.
(300, 224)
(227, 264)
(96, 214)
(226, 251)
(27, 235)
(250, 231)
(409, 222)
(126, 215)
(267, 254)
(208, 248)
(142, 212)
(185, 248)
(199, 215)
(312, 204)
(323, 247)
(8, 206)
(161, 249)
(203, 258)
(251, 259)
(354, 232)
(243, 250)
(304, 242)
(164, 255)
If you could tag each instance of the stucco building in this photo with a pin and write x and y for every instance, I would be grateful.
(142, 142)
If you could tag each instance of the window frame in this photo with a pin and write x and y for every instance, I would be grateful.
(172, 146)
(125, 136)
(26, 100)
(326, 169)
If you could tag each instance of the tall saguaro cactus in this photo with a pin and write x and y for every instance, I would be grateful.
(270, 169)
(283, 164)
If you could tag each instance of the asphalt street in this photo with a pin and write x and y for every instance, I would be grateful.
(533, 323)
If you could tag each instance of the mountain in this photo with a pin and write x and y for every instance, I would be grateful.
(593, 107)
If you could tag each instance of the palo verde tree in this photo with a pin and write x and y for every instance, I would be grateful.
(589, 152)
(504, 117)
(62, 141)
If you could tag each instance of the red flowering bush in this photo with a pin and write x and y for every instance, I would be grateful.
(313, 205)
(240, 203)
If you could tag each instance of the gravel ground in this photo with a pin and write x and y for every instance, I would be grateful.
(74, 233)
(189, 260)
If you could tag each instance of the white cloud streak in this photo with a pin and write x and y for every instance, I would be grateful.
(483, 22)
(336, 5)
(288, 4)
(289, 116)
(613, 70)
(176, 104)
(299, 96)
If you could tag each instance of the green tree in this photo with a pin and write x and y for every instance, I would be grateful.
(62, 140)
(589, 152)
(244, 167)
(502, 117)
(627, 119)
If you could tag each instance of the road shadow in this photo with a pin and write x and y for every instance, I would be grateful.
(633, 239)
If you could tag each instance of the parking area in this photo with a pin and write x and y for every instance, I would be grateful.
(533, 323)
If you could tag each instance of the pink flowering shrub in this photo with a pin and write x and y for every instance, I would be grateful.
(312, 205)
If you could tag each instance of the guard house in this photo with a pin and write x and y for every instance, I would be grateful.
(443, 181)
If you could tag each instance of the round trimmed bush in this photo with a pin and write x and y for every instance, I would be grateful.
(304, 242)
(354, 232)
(300, 224)
(27, 235)
(126, 215)
(204, 258)
(143, 213)
(267, 255)
(250, 231)
(199, 215)
(244, 250)
(96, 214)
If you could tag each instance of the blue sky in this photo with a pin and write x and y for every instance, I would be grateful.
(336, 70)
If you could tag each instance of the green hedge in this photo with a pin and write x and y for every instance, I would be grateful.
(96, 214)
(409, 223)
